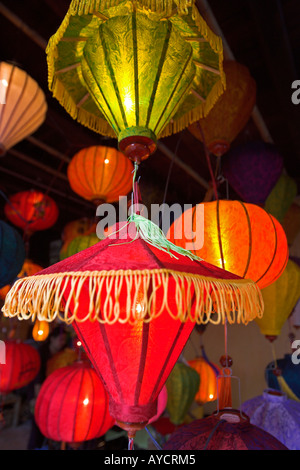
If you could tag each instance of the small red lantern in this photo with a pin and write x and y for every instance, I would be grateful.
(21, 366)
(31, 211)
(72, 405)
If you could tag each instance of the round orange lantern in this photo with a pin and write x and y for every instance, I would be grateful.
(100, 174)
(239, 237)
(40, 330)
(31, 211)
(208, 373)
(231, 112)
(78, 227)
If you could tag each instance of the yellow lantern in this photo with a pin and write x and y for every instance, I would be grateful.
(135, 70)
(40, 330)
(279, 300)
(23, 106)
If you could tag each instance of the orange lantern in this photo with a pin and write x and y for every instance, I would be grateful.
(78, 227)
(239, 237)
(100, 174)
(40, 330)
(31, 211)
(208, 373)
(231, 112)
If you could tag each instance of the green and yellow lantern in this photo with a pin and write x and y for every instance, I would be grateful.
(135, 70)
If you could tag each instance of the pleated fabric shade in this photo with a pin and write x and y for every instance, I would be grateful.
(72, 405)
(100, 174)
(279, 300)
(121, 296)
(22, 364)
(231, 112)
(23, 106)
(136, 71)
(239, 237)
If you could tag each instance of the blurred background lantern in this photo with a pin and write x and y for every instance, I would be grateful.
(21, 367)
(252, 170)
(275, 413)
(161, 404)
(239, 237)
(100, 174)
(231, 112)
(40, 330)
(281, 197)
(63, 358)
(28, 269)
(12, 254)
(25, 106)
(78, 244)
(291, 223)
(283, 375)
(279, 300)
(182, 386)
(31, 211)
(72, 405)
(208, 373)
(112, 89)
(227, 430)
(76, 228)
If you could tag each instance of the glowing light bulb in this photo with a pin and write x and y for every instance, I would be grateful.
(86, 401)
(78, 343)
(40, 332)
(4, 82)
(106, 161)
(211, 396)
(139, 308)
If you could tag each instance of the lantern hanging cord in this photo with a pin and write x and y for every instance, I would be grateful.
(153, 439)
(207, 156)
(130, 443)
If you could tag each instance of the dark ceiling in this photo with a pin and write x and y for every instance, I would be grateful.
(264, 35)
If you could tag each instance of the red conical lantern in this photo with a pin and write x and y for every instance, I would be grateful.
(72, 405)
(133, 307)
(21, 366)
(241, 238)
(31, 211)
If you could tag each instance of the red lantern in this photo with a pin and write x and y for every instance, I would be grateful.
(241, 238)
(21, 366)
(227, 430)
(72, 405)
(122, 295)
(31, 211)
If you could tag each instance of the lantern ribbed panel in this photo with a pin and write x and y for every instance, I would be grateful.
(12, 254)
(23, 106)
(211, 434)
(76, 228)
(231, 112)
(72, 405)
(182, 385)
(100, 173)
(21, 366)
(31, 211)
(242, 238)
(279, 300)
(207, 390)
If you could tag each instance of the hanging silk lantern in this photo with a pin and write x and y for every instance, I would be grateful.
(72, 405)
(100, 174)
(291, 223)
(182, 386)
(231, 112)
(22, 364)
(76, 228)
(276, 414)
(135, 71)
(23, 106)
(134, 288)
(208, 373)
(31, 211)
(281, 197)
(241, 238)
(12, 254)
(40, 330)
(279, 300)
(78, 244)
(252, 170)
(226, 430)
(63, 358)
(283, 375)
